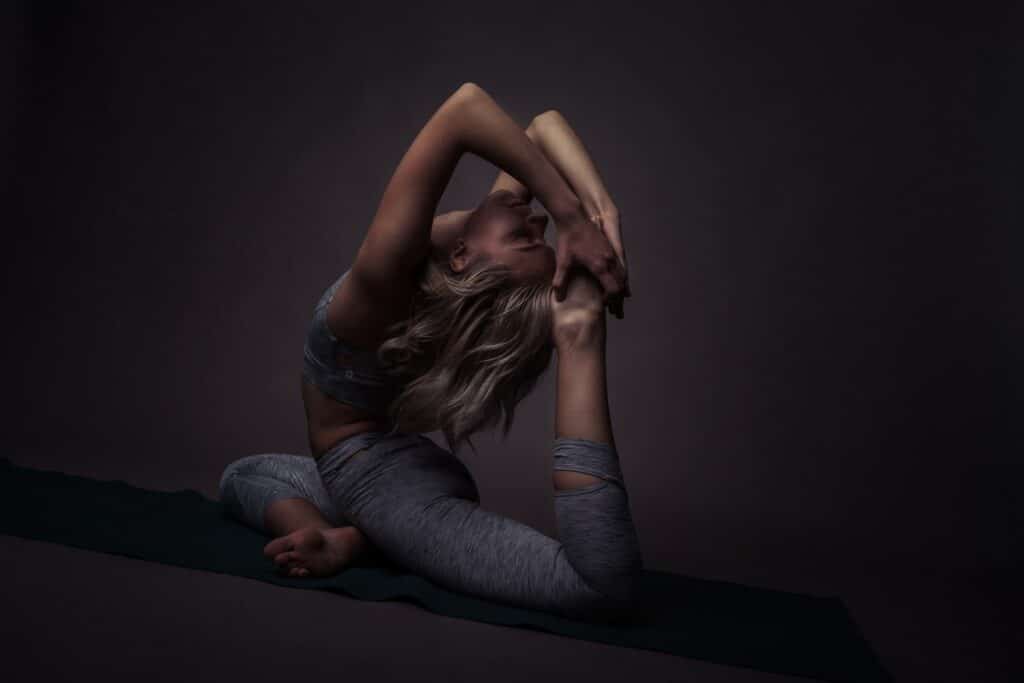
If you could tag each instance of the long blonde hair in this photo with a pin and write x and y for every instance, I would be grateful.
(474, 346)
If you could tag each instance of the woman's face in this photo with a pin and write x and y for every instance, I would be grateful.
(503, 229)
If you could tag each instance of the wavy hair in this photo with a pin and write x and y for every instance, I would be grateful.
(474, 346)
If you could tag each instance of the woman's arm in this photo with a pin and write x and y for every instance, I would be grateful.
(449, 224)
(446, 225)
(565, 149)
(398, 239)
(506, 182)
(562, 146)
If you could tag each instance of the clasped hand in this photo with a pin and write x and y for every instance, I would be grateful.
(596, 244)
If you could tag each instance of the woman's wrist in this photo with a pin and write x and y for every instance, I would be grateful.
(599, 206)
(586, 213)
(607, 209)
(568, 212)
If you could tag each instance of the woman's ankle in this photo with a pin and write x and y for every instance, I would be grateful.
(287, 515)
(364, 553)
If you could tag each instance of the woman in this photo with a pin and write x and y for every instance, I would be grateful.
(446, 324)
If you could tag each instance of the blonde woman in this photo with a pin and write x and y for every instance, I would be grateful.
(446, 324)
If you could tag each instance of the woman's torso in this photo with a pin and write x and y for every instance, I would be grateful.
(344, 390)
(330, 422)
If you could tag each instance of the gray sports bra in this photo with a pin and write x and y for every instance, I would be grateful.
(359, 381)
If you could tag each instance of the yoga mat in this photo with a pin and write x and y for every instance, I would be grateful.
(715, 621)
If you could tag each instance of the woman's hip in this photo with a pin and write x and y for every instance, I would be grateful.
(396, 467)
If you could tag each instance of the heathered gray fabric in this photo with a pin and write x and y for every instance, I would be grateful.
(420, 506)
(250, 484)
(359, 380)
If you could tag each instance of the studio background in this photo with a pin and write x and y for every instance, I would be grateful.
(816, 380)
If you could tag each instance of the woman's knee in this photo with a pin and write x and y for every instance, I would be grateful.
(609, 598)
(619, 602)
(245, 465)
(226, 477)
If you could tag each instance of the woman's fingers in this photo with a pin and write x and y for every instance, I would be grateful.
(611, 227)
(612, 279)
(563, 260)
(587, 244)
(616, 307)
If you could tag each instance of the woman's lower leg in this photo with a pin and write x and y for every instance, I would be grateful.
(282, 496)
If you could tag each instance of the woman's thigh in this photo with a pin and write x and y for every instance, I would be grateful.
(408, 463)
(420, 507)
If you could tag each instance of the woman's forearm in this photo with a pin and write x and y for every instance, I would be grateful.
(565, 150)
(551, 132)
(506, 182)
(488, 132)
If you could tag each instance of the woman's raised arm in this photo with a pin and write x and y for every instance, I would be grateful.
(449, 224)
(504, 181)
(565, 150)
(551, 132)
(398, 239)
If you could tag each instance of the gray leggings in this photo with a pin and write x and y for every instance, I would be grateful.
(418, 504)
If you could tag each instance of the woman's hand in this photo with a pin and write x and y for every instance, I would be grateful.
(580, 314)
(586, 243)
(551, 132)
(609, 221)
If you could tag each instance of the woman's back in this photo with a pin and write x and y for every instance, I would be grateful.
(344, 390)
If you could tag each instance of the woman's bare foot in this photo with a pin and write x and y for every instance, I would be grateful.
(315, 551)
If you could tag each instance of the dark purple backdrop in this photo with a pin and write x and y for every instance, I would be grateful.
(816, 374)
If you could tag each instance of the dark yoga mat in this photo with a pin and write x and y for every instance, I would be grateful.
(716, 621)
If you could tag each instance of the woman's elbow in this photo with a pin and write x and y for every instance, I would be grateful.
(619, 599)
(549, 116)
(469, 89)
(624, 594)
(607, 608)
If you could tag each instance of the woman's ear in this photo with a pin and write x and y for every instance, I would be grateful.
(459, 257)
(447, 227)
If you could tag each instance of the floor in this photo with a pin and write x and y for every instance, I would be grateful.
(69, 613)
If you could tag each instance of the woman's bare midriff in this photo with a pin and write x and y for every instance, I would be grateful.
(330, 421)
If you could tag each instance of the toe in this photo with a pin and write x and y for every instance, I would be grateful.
(287, 559)
(278, 546)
